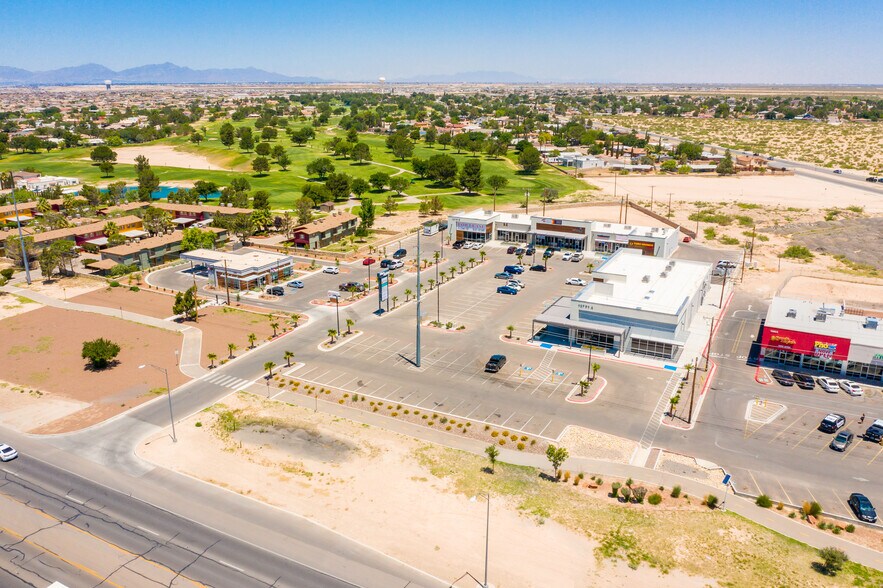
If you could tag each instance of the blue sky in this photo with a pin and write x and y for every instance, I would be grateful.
(587, 40)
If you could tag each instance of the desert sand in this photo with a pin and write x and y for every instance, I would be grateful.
(165, 156)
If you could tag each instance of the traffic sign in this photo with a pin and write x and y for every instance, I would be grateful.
(726, 479)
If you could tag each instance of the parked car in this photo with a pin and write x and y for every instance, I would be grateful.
(832, 423)
(803, 381)
(828, 384)
(687, 239)
(576, 257)
(575, 282)
(368, 261)
(503, 276)
(330, 269)
(514, 269)
(782, 377)
(511, 249)
(520, 251)
(7, 453)
(530, 251)
(862, 507)
(842, 440)
(507, 290)
(495, 363)
(385, 263)
(515, 284)
(567, 255)
(477, 245)
(538, 268)
(400, 254)
(875, 432)
(276, 291)
(726, 263)
(459, 244)
(548, 253)
(552, 248)
(851, 388)
(518, 282)
(395, 264)
(295, 284)
(351, 287)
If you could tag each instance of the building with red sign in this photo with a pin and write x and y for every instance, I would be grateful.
(830, 338)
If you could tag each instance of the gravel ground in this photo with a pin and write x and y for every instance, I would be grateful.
(858, 239)
(582, 442)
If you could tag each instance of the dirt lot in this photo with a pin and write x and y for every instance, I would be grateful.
(11, 305)
(867, 296)
(166, 156)
(858, 239)
(141, 302)
(41, 357)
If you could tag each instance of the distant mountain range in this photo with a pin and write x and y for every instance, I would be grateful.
(471, 77)
(159, 73)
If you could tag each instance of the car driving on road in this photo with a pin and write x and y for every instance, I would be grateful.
(330, 269)
(862, 507)
(400, 254)
(7, 453)
(832, 422)
(575, 282)
(295, 284)
(495, 363)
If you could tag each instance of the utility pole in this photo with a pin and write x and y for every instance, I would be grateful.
(418, 300)
(708, 350)
(753, 233)
(626, 219)
(724, 286)
(615, 175)
(669, 204)
(437, 296)
(21, 239)
(651, 198)
(693, 389)
(526, 200)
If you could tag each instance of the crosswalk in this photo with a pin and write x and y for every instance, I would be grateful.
(228, 381)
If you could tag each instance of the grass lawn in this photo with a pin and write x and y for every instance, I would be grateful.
(285, 186)
(701, 542)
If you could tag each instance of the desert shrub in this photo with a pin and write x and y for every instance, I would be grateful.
(710, 501)
(614, 489)
(626, 493)
(710, 233)
(763, 501)
(798, 252)
(676, 492)
(780, 506)
(134, 288)
(710, 216)
(100, 352)
(198, 423)
(850, 528)
(448, 428)
(654, 499)
(640, 492)
(566, 475)
(833, 559)
(502, 441)
(836, 530)
(395, 414)
(114, 284)
(792, 515)
(729, 240)
(520, 446)
(505, 433)
(629, 482)
(495, 433)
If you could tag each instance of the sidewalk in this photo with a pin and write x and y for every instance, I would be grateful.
(741, 506)
(191, 345)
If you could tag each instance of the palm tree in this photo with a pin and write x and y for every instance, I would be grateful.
(251, 339)
(471, 262)
(212, 357)
(394, 300)
(288, 355)
(673, 402)
(431, 283)
(482, 255)
(269, 365)
(520, 258)
(295, 317)
(436, 256)
(350, 323)
(590, 267)
(583, 387)
(274, 326)
(408, 293)
(451, 271)
(511, 329)
(332, 333)
(595, 368)
(688, 368)
(462, 265)
(231, 347)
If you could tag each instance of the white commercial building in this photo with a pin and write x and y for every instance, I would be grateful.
(635, 303)
(579, 235)
(245, 270)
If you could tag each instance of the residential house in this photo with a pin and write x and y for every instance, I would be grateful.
(151, 251)
(325, 231)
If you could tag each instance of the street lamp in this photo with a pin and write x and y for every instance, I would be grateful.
(487, 531)
(169, 390)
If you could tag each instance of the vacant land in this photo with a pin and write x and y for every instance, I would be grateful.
(372, 485)
(138, 301)
(858, 242)
(849, 145)
(41, 353)
(165, 156)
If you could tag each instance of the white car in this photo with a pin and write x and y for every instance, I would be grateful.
(851, 388)
(567, 255)
(575, 282)
(7, 453)
(828, 384)
(515, 284)
(477, 245)
(577, 257)
(330, 269)
(395, 264)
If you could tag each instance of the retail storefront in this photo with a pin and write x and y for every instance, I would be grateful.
(554, 232)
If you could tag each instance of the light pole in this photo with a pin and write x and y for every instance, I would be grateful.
(487, 530)
(337, 310)
(437, 296)
(169, 390)
(21, 239)
(417, 357)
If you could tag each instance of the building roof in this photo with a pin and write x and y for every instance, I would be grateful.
(250, 260)
(837, 322)
(329, 222)
(102, 264)
(631, 280)
(143, 244)
(84, 229)
(209, 208)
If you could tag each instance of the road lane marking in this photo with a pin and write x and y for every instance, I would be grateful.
(738, 336)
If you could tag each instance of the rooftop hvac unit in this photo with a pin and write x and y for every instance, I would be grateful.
(871, 322)
(645, 279)
(792, 313)
(663, 275)
(606, 225)
(821, 316)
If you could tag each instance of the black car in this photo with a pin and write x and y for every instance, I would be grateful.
(538, 268)
(529, 251)
(351, 287)
(874, 433)
(519, 251)
(510, 250)
(495, 363)
(862, 507)
(385, 263)
(832, 422)
(871, 179)
(803, 381)
(276, 291)
(782, 377)
(459, 244)
(400, 254)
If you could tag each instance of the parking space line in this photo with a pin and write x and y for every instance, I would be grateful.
(810, 432)
(456, 407)
(756, 485)
(840, 500)
(810, 494)
(524, 426)
(391, 393)
(564, 379)
(851, 449)
(782, 432)
(340, 375)
(437, 404)
(544, 428)
(876, 456)
(787, 498)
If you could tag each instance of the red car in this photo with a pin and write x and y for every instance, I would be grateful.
(687, 239)
(368, 261)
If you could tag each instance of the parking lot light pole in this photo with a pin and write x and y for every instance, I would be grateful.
(487, 531)
(417, 357)
(337, 310)
(169, 390)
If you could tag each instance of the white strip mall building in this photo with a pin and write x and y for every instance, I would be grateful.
(579, 235)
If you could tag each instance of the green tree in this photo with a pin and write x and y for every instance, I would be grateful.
(399, 184)
(187, 304)
(303, 208)
(100, 352)
(148, 183)
(431, 135)
(228, 135)
(366, 213)
(261, 219)
(91, 194)
(530, 160)
(492, 454)
(320, 167)
(379, 180)
(332, 333)
(511, 329)
(496, 183)
(833, 559)
(243, 227)
(470, 175)
(260, 199)
(283, 160)
(231, 347)
(361, 152)
(359, 186)
(669, 165)
(102, 154)
(556, 457)
(402, 147)
(106, 168)
(156, 220)
(212, 357)
(288, 355)
(350, 323)
(442, 168)
(461, 141)
(444, 140)
(246, 142)
(339, 186)
(548, 195)
(390, 205)
(262, 149)
(726, 167)
(261, 165)
(251, 339)
(269, 365)
(194, 238)
(49, 261)
(689, 150)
